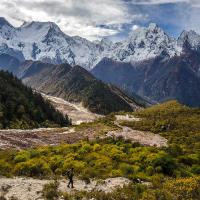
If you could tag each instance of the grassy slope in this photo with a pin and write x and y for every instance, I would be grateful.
(178, 123)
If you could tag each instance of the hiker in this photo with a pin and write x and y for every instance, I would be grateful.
(70, 174)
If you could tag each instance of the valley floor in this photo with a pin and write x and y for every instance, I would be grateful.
(22, 139)
(171, 172)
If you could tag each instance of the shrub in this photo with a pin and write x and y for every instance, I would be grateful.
(184, 188)
(77, 165)
(166, 163)
(5, 168)
(126, 169)
(196, 169)
(34, 167)
(50, 191)
(22, 157)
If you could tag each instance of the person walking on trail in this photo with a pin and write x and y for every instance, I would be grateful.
(70, 175)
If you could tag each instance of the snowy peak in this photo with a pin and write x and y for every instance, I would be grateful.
(4, 22)
(40, 30)
(106, 43)
(189, 39)
(46, 42)
(153, 27)
(151, 36)
(35, 25)
(145, 43)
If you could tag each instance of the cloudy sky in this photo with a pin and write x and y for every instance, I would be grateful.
(94, 19)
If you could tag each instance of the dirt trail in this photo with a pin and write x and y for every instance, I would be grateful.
(30, 189)
(76, 112)
(142, 137)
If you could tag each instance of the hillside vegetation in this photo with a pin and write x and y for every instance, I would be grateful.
(171, 173)
(179, 124)
(21, 108)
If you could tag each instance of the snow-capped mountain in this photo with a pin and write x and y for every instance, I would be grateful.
(46, 42)
(189, 39)
(146, 43)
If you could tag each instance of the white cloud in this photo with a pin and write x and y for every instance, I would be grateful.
(94, 19)
(194, 3)
(75, 17)
(147, 2)
(135, 27)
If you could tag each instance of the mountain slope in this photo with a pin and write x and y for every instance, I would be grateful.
(75, 84)
(158, 79)
(9, 63)
(21, 108)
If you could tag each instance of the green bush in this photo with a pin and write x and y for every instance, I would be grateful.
(22, 157)
(5, 168)
(50, 191)
(34, 167)
(166, 163)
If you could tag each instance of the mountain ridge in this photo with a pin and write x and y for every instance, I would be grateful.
(148, 52)
(77, 85)
(46, 42)
(160, 80)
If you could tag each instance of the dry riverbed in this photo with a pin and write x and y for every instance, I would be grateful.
(76, 112)
(143, 137)
(31, 189)
(21, 139)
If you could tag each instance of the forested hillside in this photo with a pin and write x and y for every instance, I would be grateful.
(20, 107)
(75, 84)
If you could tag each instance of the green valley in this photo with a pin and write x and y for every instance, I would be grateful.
(170, 172)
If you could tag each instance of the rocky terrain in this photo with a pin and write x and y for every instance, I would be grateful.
(22, 139)
(76, 112)
(31, 189)
(142, 137)
(19, 139)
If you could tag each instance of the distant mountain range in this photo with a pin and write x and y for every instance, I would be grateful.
(149, 62)
(74, 84)
(45, 41)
